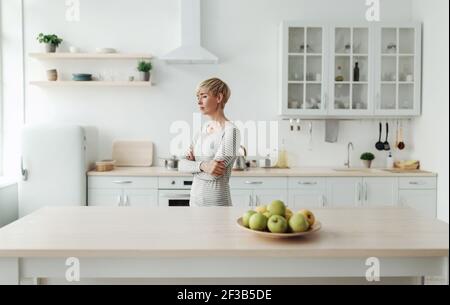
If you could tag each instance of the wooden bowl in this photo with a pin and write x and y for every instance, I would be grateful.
(316, 227)
(105, 166)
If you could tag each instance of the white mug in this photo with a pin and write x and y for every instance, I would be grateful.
(318, 77)
(409, 78)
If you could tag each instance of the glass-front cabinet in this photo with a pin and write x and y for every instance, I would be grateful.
(399, 70)
(303, 66)
(352, 70)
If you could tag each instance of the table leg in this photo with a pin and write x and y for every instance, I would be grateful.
(9, 271)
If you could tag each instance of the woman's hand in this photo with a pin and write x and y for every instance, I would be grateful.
(190, 156)
(215, 168)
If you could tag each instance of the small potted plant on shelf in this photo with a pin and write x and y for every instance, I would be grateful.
(367, 159)
(51, 42)
(144, 67)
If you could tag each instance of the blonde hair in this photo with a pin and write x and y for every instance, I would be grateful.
(216, 86)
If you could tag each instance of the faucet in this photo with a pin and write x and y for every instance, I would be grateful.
(350, 145)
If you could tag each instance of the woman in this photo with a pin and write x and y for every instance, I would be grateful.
(213, 151)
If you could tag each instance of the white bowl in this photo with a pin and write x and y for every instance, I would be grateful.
(105, 50)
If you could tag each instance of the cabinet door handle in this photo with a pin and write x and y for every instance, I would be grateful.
(417, 182)
(119, 200)
(126, 203)
(250, 200)
(322, 201)
(366, 191)
(122, 182)
(308, 183)
(254, 182)
(359, 190)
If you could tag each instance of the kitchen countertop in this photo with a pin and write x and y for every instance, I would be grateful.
(213, 232)
(264, 172)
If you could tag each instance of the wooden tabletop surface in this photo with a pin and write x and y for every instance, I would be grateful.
(197, 232)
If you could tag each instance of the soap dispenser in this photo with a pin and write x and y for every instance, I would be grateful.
(390, 161)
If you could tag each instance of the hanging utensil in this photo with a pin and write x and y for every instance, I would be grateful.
(291, 121)
(310, 136)
(387, 146)
(401, 144)
(397, 135)
(299, 127)
(380, 145)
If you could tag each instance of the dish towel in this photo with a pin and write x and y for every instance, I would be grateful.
(331, 131)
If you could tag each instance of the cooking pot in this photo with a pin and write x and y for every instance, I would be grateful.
(171, 163)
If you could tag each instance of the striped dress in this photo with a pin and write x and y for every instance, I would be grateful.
(221, 145)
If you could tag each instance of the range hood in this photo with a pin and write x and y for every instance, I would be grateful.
(190, 51)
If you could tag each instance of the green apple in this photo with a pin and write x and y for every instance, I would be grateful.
(277, 207)
(246, 218)
(261, 209)
(267, 214)
(258, 222)
(298, 223)
(277, 224)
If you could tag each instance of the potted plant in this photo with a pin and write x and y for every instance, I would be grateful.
(51, 41)
(367, 159)
(144, 67)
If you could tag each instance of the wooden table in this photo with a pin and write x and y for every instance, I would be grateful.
(207, 243)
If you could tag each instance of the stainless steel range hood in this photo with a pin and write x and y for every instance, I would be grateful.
(190, 51)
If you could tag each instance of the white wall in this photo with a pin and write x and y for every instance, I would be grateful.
(243, 33)
(12, 83)
(431, 130)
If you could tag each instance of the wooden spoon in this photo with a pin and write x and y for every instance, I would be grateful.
(401, 144)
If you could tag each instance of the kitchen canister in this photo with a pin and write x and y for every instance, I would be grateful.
(52, 75)
(105, 165)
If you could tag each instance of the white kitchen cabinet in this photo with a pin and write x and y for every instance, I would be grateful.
(424, 201)
(352, 45)
(242, 198)
(123, 191)
(140, 198)
(265, 197)
(344, 192)
(398, 73)
(379, 191)
(307, 192)
(317, 62)
(119, 197)
(303, 69)
(300, 199)
(256, 191)
(105, 197)
(419, 193)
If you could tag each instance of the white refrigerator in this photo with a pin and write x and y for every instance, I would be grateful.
(55, 161)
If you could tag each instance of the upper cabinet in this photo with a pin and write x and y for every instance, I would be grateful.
(303, 69)
(398, 74)
(350, 70)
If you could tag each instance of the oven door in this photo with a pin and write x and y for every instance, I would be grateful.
(174, 198)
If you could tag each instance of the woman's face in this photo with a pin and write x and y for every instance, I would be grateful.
(207, 102)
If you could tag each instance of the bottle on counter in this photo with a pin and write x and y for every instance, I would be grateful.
(390, 161)
(356, 72)
(282, 157)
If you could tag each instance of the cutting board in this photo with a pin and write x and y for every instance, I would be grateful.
(133, 153)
